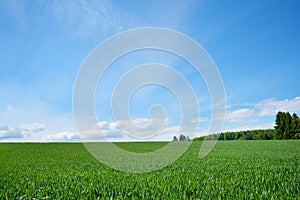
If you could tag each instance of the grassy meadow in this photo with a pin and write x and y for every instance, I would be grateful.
(233, 170)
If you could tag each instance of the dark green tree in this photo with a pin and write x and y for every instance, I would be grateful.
(248, 136)
(201, 138)
(229, 136)
(175, 139)
(295, 126)
(238, 135)
(279, 125)
(295, 116)
(288, 132)
(188, 138)
(221, 136)
(182, 137)
(286, 126)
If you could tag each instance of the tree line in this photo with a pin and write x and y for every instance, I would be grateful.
(287, 126)
(240, 135)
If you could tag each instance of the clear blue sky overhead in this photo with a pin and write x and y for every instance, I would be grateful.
(255, 45)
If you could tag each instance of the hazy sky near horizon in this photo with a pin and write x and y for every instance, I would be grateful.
(254, 44)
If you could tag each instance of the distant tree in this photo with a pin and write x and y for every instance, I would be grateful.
(185, 138)
(242, 135)
(295, 126)
(212, 137)
(199, 138)
(238, 135)
(288, 132)
(229, 136)
(295, 116)
(221, 136)
(175, 139)
(286, 126)
(297, 122)
(182, 137)
(279, 125)
(248, 136)
(263, 134)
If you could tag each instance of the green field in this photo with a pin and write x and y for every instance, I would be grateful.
(233, 170)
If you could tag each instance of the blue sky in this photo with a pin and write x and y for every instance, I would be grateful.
(254, 44)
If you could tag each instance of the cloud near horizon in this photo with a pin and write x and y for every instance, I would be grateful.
(236, 120)
(258, 116)
(111, 131)
(61, 137)
(24, 130)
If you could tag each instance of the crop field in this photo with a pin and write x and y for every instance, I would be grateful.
(233, 170)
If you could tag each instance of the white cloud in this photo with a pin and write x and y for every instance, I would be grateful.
(238, 115)
(168, 133)
(139, 128)
(270, 107)
(24, 130)
(7, 132)
(109, 131)
(142, 127)
(35, 127)
(105, 131)
(62, 136)
(101, 131)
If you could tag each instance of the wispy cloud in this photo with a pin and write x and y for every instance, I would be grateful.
(177, 13)
(89, 18)
(200, 119)
(35, 127)
(270, 107)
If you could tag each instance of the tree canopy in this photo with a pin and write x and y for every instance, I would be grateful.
(286, 126)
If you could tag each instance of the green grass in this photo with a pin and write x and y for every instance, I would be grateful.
(233, 170)
(141, 147)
